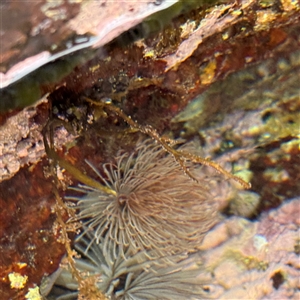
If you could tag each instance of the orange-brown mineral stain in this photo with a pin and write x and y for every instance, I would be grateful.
(28, 246)
(277, 36)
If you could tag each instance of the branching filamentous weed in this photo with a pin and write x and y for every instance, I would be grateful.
(181, 157)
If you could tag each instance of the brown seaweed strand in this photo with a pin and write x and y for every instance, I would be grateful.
(179, 156)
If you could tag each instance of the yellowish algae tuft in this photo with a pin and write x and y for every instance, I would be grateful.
(17, 281)
(208, 73)
(33, 294)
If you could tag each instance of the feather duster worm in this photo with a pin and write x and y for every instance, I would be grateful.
(156, 206)
(134, 278)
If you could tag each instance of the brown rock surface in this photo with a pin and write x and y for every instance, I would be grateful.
(152, 80)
